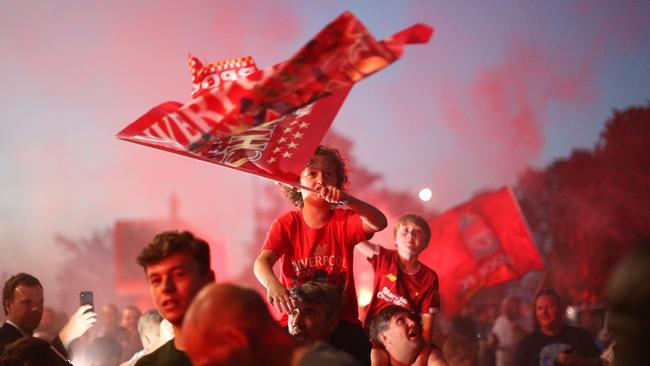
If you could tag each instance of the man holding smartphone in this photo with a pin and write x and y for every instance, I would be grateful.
(22, 301)
(177, 266)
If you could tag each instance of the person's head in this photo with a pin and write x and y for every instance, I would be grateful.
(229, 325)
(325, 168)
(102, 351)
(109, 315)
(549, 310)
(30, 351)
(510, 307)
(177, 266)
(317, 312)
(399, 332)
(628, 299)
(149, 327)
(22, 300)
(412, 234)
(129, 318)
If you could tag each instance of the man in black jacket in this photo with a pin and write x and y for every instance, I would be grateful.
(22, 301)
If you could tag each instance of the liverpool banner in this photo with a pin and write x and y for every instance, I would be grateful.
(268, 122)
(479, 244)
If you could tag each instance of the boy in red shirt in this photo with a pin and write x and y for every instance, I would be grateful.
(401, 279)
(317, 244)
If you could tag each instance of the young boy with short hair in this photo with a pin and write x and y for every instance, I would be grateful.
(317, 243)
(401, 279)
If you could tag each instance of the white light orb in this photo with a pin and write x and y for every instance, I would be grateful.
(425, 194)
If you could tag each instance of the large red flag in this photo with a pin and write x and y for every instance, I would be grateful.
(479, 244)
(277, 150)
(307, 89)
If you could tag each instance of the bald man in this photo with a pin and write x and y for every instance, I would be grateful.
(230, 325)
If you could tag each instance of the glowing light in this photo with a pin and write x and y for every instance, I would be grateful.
(364, 295)
(425, 194)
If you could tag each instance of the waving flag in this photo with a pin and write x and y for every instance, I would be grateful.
(479, 244)
(238, 112)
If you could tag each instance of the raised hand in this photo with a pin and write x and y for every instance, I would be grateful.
(78, 324)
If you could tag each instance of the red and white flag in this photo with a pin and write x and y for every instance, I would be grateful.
(278, 150)
(479, 244)
(237, 111)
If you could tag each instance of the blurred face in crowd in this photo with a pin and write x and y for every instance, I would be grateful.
(309, 321)
(130, 319)
(548, 311)
(511, 308)
(403, 337)
(109, 316)
(48, 319)
(26, 307)
(173, 283)
(409, 240)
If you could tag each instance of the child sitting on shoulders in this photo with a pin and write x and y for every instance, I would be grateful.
(317, 242)
(401, 279)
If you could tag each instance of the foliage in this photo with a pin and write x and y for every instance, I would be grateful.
(87, 265)
(590, 209)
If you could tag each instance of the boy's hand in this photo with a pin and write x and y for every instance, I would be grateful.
(332, 194)
(278, 296)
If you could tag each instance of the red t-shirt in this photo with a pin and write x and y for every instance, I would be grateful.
(417, 292)
(323, 254)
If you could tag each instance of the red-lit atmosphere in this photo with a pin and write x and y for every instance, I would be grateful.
(518, 131)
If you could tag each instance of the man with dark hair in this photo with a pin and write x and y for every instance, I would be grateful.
(399, 332)
(22, 301)
(316, 315)
(553, 342)
(177, 266)
(231, 325)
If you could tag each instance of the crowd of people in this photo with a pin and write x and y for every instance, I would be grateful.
(199, 322)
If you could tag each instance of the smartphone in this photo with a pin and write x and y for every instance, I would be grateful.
(86, 298)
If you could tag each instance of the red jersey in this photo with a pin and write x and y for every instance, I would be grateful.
(323, 255)
(417, 292)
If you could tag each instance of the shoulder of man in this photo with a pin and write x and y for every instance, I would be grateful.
(164, 355)
(9, 333)
(324, 354)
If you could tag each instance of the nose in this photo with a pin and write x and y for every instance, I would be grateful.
(297, 317)
(169, 284)
(410, 323)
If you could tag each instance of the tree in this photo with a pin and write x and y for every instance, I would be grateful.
(588, 210)
(87, 265)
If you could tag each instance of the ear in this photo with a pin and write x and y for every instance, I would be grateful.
(235, 338)
(383, 338)
(208, 277)
(332, 322)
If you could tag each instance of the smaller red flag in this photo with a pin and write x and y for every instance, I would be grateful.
(478, 244)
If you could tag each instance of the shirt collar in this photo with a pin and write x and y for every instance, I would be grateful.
(17, 327)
